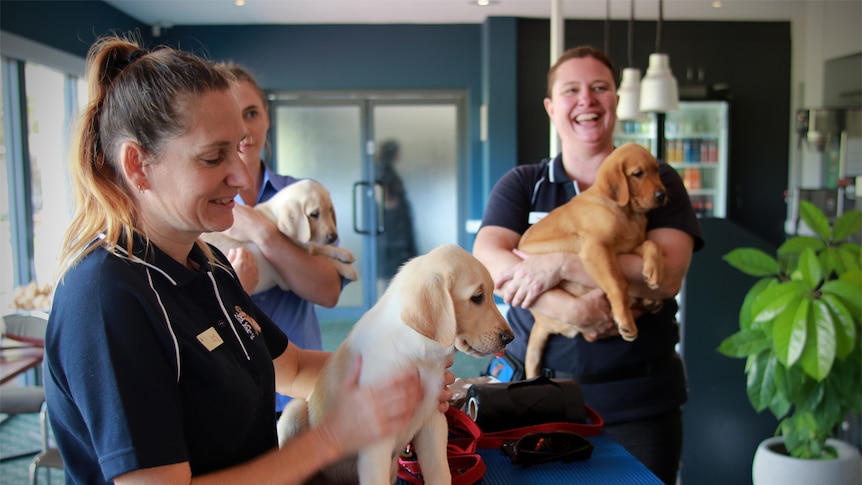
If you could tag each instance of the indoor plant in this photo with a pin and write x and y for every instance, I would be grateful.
(799, 329)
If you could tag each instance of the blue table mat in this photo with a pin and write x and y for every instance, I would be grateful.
(610, 464)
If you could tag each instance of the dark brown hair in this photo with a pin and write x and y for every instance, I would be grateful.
(579, 53)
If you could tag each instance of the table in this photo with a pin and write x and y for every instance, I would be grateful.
(609, 464)
(15, 361)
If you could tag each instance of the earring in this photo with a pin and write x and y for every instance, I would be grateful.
(141, 188)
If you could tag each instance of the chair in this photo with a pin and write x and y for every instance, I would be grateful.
(49, 457)
(25, 331)
(22, 334)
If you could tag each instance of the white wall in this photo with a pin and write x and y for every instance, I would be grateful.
(826, 30)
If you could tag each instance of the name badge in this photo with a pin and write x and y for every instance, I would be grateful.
(536, 217)
(210, 339)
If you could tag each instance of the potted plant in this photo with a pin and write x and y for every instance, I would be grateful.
(800, 330)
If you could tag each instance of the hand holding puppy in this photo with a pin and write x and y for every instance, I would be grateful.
(364, 415)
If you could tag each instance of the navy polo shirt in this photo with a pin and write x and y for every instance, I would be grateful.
(150, 363)
(518, 200)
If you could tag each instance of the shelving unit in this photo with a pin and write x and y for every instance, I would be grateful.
(696, 146)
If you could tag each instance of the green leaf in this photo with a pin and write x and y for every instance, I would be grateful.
(796, 244)
(744, 343)
(799, 384)
(811, 397)
(845, 330)
(789, 331)
(848, 224)
(760, 384)
(848, 292)
(780, 404)
(830, 261)
(775, 299)
(746, 317)
(819, 353)
(810, 269)
(849, 255)
(752, 262)
(814, 218)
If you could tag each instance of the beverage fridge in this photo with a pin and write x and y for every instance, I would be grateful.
(696, 145)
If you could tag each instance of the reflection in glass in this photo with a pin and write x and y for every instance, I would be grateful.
(322, 143)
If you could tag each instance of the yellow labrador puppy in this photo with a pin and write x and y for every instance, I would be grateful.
(302, 211)
(437, 303)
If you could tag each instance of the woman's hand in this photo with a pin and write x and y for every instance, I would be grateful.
(363, 415)
(520, 285)
(245, 266)
(249, 225)
(447, 394)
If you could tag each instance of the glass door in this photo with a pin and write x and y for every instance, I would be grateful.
(390, 161)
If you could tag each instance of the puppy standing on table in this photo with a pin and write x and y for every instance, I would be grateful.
(607, 219)
(437, 303)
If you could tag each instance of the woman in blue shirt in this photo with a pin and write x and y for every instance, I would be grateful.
(159, 366)
(638, 387)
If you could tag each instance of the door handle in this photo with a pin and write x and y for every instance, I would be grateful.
(368, 208)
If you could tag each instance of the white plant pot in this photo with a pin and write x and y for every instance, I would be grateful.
(772, 468)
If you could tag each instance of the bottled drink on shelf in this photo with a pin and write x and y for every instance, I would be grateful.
(691, 178)
(713, 151)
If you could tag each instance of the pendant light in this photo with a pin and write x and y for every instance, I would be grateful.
(628, 106)
(659, 91)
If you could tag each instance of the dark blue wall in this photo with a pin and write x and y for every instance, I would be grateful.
(330, 57)
(344, 56)
(69, 26)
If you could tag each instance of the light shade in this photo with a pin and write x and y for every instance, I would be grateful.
(659, 91)
(628, 106)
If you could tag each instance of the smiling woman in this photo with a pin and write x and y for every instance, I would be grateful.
(152, 323)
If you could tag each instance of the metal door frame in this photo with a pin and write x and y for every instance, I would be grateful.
(367, 100)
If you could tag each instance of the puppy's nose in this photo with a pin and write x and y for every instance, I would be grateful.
(506, 336)
(660, 196)
(331, 237)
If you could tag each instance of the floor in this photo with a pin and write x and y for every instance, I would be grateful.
(21, 433)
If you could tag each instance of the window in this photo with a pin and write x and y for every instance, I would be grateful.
(35, 192)
(7, 276)
(48, 146)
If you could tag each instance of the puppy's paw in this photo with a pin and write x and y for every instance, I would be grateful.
(628, 331)
(652, 306)
(347, 271)
(344, 255)
(652, 277)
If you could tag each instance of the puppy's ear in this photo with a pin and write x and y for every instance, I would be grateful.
(428, 307)
(294, 222)
(613, 181)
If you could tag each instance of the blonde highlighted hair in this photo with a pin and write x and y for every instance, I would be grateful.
(134, 94)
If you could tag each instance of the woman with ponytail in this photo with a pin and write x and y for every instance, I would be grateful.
(159, 368)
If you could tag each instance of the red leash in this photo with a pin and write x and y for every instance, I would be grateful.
(465, 437)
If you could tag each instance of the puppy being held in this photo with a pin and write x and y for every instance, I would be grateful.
(606, 220)
(437, 303)
(302, 211)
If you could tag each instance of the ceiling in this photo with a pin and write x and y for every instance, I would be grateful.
(168, 13)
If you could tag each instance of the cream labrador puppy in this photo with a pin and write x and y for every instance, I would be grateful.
(437, 303)
(302, 211)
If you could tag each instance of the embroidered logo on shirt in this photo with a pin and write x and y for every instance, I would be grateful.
(249, 324)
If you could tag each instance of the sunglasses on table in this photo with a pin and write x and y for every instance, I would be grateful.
(536, 448)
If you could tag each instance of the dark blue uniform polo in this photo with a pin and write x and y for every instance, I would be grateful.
(150, 363)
